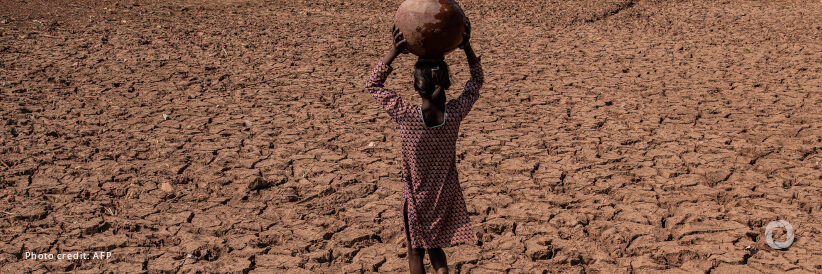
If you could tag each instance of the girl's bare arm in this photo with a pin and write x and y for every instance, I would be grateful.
(466, 45)
(397, 47)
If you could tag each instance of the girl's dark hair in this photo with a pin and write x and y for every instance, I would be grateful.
(429, 76)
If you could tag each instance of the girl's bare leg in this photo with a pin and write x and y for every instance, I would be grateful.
(437, 257)
(415, 256)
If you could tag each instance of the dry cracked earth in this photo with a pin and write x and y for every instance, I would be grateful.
(235, 137)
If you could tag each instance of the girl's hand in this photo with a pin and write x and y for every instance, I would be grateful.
(466, 36)
(466, 44)
(397, 46)
(399, 42)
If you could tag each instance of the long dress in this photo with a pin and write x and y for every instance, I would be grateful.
(432, 198)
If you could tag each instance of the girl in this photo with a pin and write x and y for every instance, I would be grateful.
(434, 211)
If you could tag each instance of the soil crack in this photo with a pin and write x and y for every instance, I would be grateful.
(619, 7)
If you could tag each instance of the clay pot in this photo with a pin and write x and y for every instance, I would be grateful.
(431, 27)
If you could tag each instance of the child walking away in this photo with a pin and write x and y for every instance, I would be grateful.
(434, 211)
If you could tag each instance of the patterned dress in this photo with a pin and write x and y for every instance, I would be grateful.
(436, 212)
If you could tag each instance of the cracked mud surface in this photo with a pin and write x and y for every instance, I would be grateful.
(234, 136)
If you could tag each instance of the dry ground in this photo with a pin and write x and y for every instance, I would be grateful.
(611, 136)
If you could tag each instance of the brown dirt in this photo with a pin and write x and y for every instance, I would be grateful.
(611, 136)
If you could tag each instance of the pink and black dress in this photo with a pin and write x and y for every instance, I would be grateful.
(436, 212)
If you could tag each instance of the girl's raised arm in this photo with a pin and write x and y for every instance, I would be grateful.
(471, 92)
(390, 101)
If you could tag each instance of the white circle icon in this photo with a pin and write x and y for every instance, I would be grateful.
(769, 234)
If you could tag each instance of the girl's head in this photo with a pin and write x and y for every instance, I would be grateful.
(431, 78)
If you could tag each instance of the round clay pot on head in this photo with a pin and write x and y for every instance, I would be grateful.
(432, 28)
